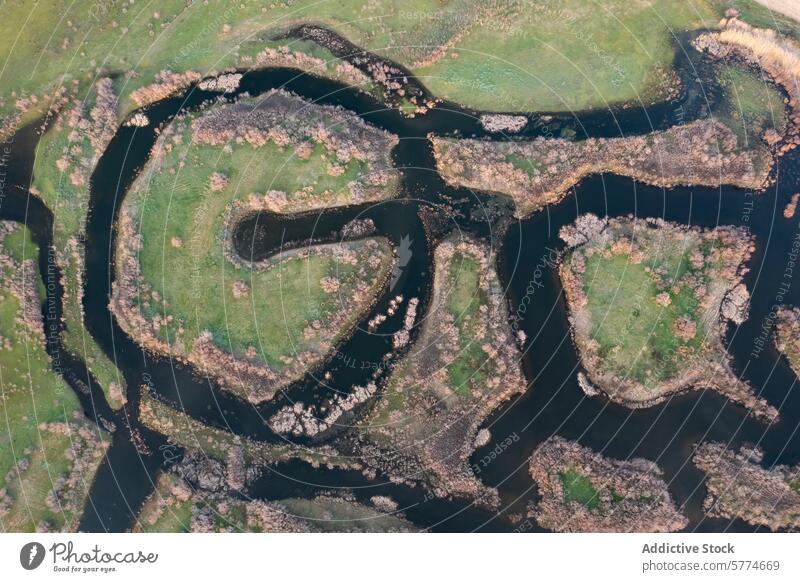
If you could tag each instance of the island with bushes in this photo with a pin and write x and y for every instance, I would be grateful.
(542, 171)
(648, 303)
(583, 491)
(739, 486)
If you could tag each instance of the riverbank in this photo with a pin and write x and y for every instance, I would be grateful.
(49, 451)
(179, 505)
(242, 456)
(83, 123)
(764, 50)
(787, 335)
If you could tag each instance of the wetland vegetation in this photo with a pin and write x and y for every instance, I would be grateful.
(787, 335)
(649, 300)
(583, 491)
(463, 366)
(181, 291)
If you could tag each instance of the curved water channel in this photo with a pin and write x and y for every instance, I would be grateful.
(426, 210)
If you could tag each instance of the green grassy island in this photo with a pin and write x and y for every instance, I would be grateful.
(648, 302)
(49, 451)
(463, 366)
(180, 288)
(582, 491)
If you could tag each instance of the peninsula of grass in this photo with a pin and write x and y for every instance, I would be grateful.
(583, 491)
(48, 451)
(65, 159)
(542, 171)
(462, 367)
(168, 509)
(182, 504)
(648, 303)
(181, 290)
(335, 514)
(739, 486)
(188, 433)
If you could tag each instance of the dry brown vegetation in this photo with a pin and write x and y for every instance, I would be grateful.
(767, 51)
(583, 491)
(787, 335)
(739, 487)
(541, 171)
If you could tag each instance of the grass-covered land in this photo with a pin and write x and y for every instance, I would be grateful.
(648, 302)
(48, 451)
(181, 289)
(463, 365)
(169, 507)
(752, 105)
(179, 506)
(65, 158)
(334, 514)
(465, 300)
(583, 491)
(520, 56)
(578, 489)
(565, 55)
(637, 336)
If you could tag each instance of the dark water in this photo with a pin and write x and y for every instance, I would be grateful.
(428, 208)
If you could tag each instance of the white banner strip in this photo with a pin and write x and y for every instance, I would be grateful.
(399, 557)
